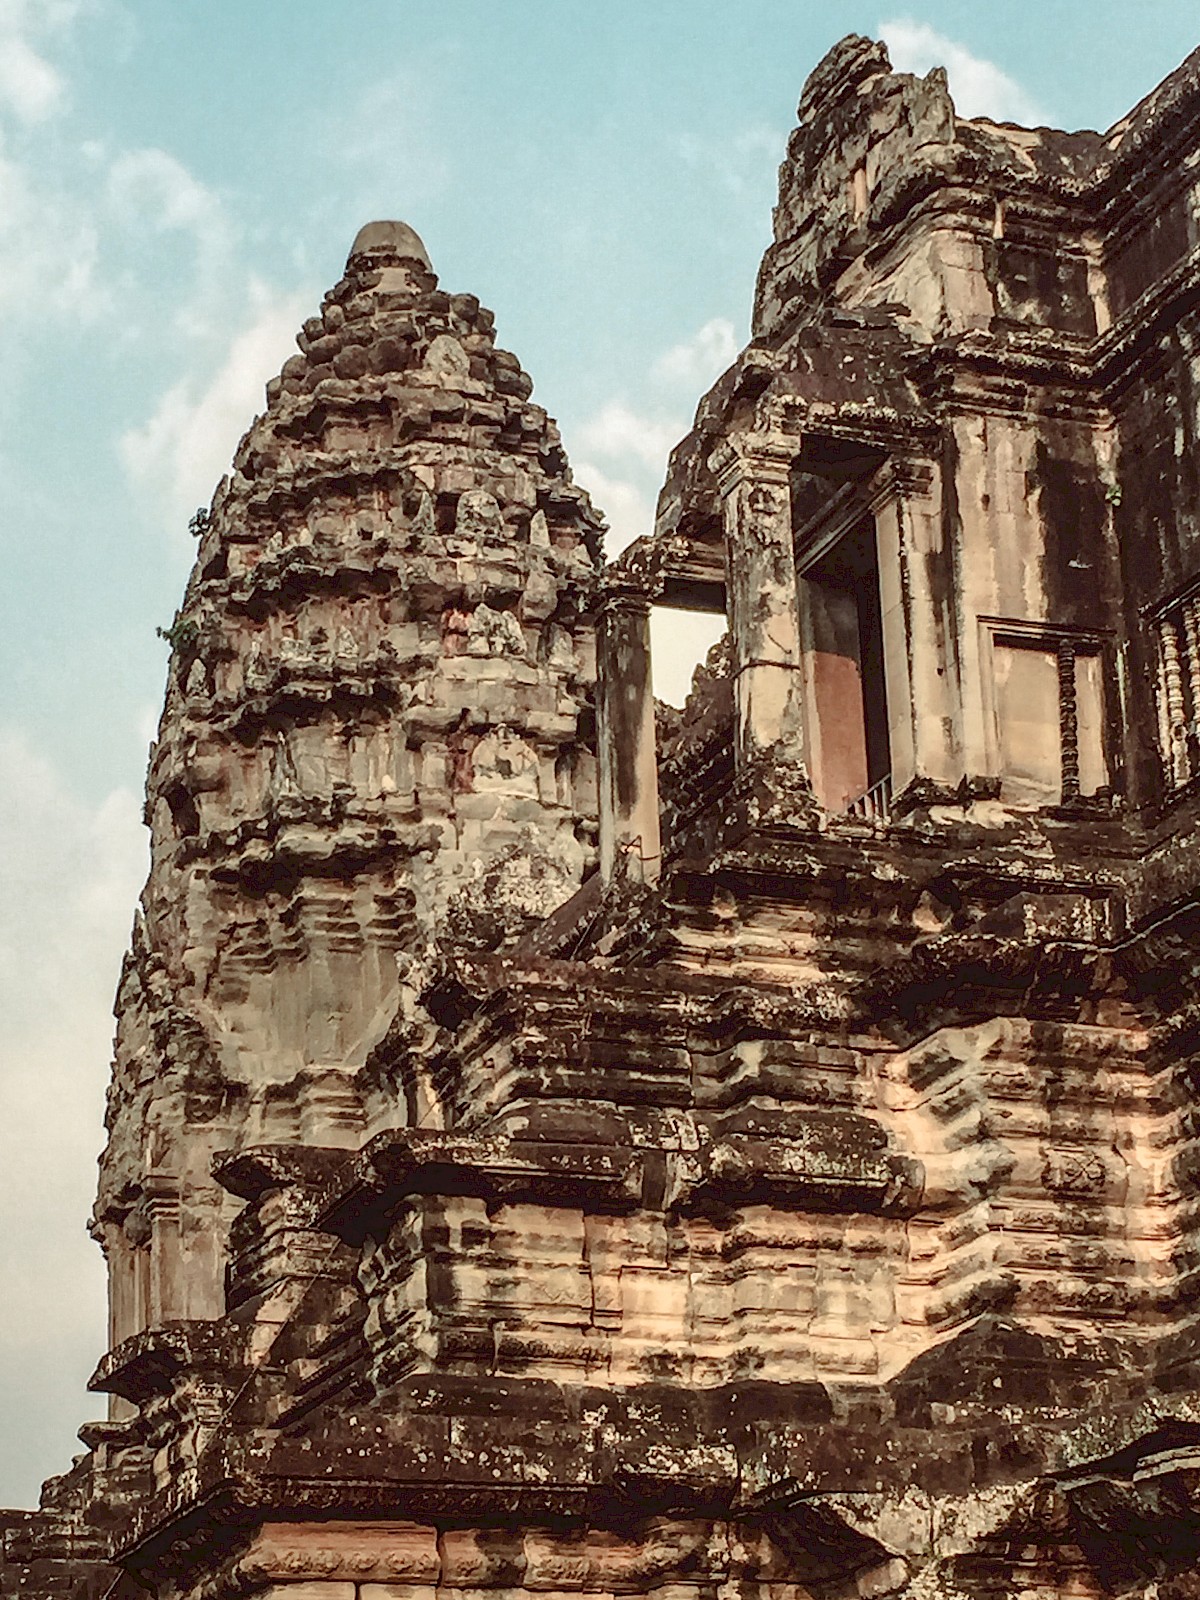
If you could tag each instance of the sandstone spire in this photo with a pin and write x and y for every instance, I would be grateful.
(377, 681)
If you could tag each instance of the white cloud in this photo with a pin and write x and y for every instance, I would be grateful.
(154, 185)
(31, 88)
(390, 132)
(618, 433)
(384, 151)
(628, 507)
(88, 231)
(743, 163)
(699, 360)
(49, 239)
(180, 453)
(620, 456)
(49, 249)
(149, 191)
(29, 85)
(620, 453)
(979, 87)
(679, 642)
(69, 878)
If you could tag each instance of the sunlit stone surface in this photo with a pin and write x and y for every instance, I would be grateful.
(563, 1145)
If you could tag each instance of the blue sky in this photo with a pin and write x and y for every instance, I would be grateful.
(179, 182)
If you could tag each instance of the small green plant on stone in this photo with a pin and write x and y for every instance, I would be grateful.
(182, 634)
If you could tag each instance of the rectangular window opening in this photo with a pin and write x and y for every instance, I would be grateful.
(680, 642)
(1049, 709)
(842, 623)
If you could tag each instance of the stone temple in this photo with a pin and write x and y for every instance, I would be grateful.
(559, 1146)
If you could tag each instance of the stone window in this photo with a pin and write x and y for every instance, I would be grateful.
(1177, 637)
(1047, 713)
(680, 641)
(847, 713)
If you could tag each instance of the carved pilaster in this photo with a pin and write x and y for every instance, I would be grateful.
(752, 471)
(629, 821)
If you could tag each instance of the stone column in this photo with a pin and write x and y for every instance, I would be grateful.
(922, 631)
(895, 603)
(752, 472)
(625, 738)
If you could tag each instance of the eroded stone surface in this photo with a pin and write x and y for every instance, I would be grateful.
(800, 1205)
(374, 706)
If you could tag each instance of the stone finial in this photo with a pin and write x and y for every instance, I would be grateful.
(393, 239)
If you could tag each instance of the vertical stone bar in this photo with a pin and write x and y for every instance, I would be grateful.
(1176, 718)
(1163, 706)
(753, 475)
(1068, 720)
(629, 826)
(1191, 638)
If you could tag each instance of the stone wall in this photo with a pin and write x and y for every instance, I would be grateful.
(801, 1204)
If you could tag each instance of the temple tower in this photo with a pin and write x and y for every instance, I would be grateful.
(376, 711)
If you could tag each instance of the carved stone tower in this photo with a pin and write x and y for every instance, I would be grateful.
(374, 737)
(802, 1205)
